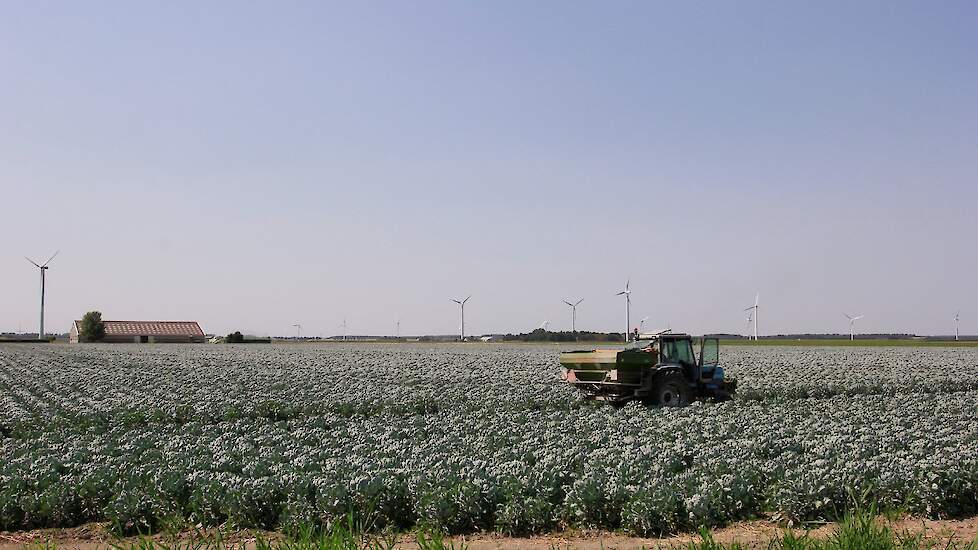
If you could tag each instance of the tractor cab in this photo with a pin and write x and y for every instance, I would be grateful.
(676, 350)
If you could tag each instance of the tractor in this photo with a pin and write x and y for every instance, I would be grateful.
(661, 368)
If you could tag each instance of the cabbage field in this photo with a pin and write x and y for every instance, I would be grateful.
(471, 437)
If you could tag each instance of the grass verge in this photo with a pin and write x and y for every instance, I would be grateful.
(859, 530)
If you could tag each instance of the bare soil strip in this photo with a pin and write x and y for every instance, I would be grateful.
(753, 534)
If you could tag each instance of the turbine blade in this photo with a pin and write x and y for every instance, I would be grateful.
(51, 258)
(757, 299)
(568, 303)
(848, 316)
(579, 302)
(31, 261)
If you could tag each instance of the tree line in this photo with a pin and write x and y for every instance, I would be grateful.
(542, 335)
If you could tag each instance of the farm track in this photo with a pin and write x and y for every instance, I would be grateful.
(756, 534)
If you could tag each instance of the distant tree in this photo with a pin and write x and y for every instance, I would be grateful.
(234, 338)
(92, 327)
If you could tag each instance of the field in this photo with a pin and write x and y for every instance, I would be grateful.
(471, 438)
(862, 343)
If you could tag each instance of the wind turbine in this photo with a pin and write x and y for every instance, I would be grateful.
(298, 331)
(641, 324)
(957, 323)
(852, 323)
(397, 329)
(753, 312)
(43, 267)
(343, 326)
(750, 318)
(573, 313)
(628, 308)
(544, 325)
(462, 304)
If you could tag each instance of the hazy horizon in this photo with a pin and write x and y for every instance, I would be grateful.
(255, 166)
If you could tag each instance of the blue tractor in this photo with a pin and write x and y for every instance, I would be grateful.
(661, 368)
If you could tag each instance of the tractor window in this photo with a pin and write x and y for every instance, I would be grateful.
(678, 351)
(710, 352)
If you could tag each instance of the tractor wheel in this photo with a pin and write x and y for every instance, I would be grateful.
(671, 390)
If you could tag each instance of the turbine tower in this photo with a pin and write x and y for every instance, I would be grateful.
(43, 267)
(397, 329)
(753, 312)
(462, 305)
(957, 323)
(628, 308)
(641, 324)
(298, 331)
(343, 326)
(573, 313)
(852, 323)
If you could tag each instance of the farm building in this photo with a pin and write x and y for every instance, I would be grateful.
(146, 332)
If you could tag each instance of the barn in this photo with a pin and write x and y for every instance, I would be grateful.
(146, 332)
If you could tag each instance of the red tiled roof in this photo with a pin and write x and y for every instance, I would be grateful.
(151, 328)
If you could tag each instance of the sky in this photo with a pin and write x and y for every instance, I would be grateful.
(252, 165)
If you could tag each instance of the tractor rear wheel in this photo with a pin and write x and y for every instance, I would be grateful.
(671, 390)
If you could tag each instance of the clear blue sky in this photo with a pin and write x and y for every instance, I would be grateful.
(253, 165)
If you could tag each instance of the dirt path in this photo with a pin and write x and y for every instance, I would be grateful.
(754, 534)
